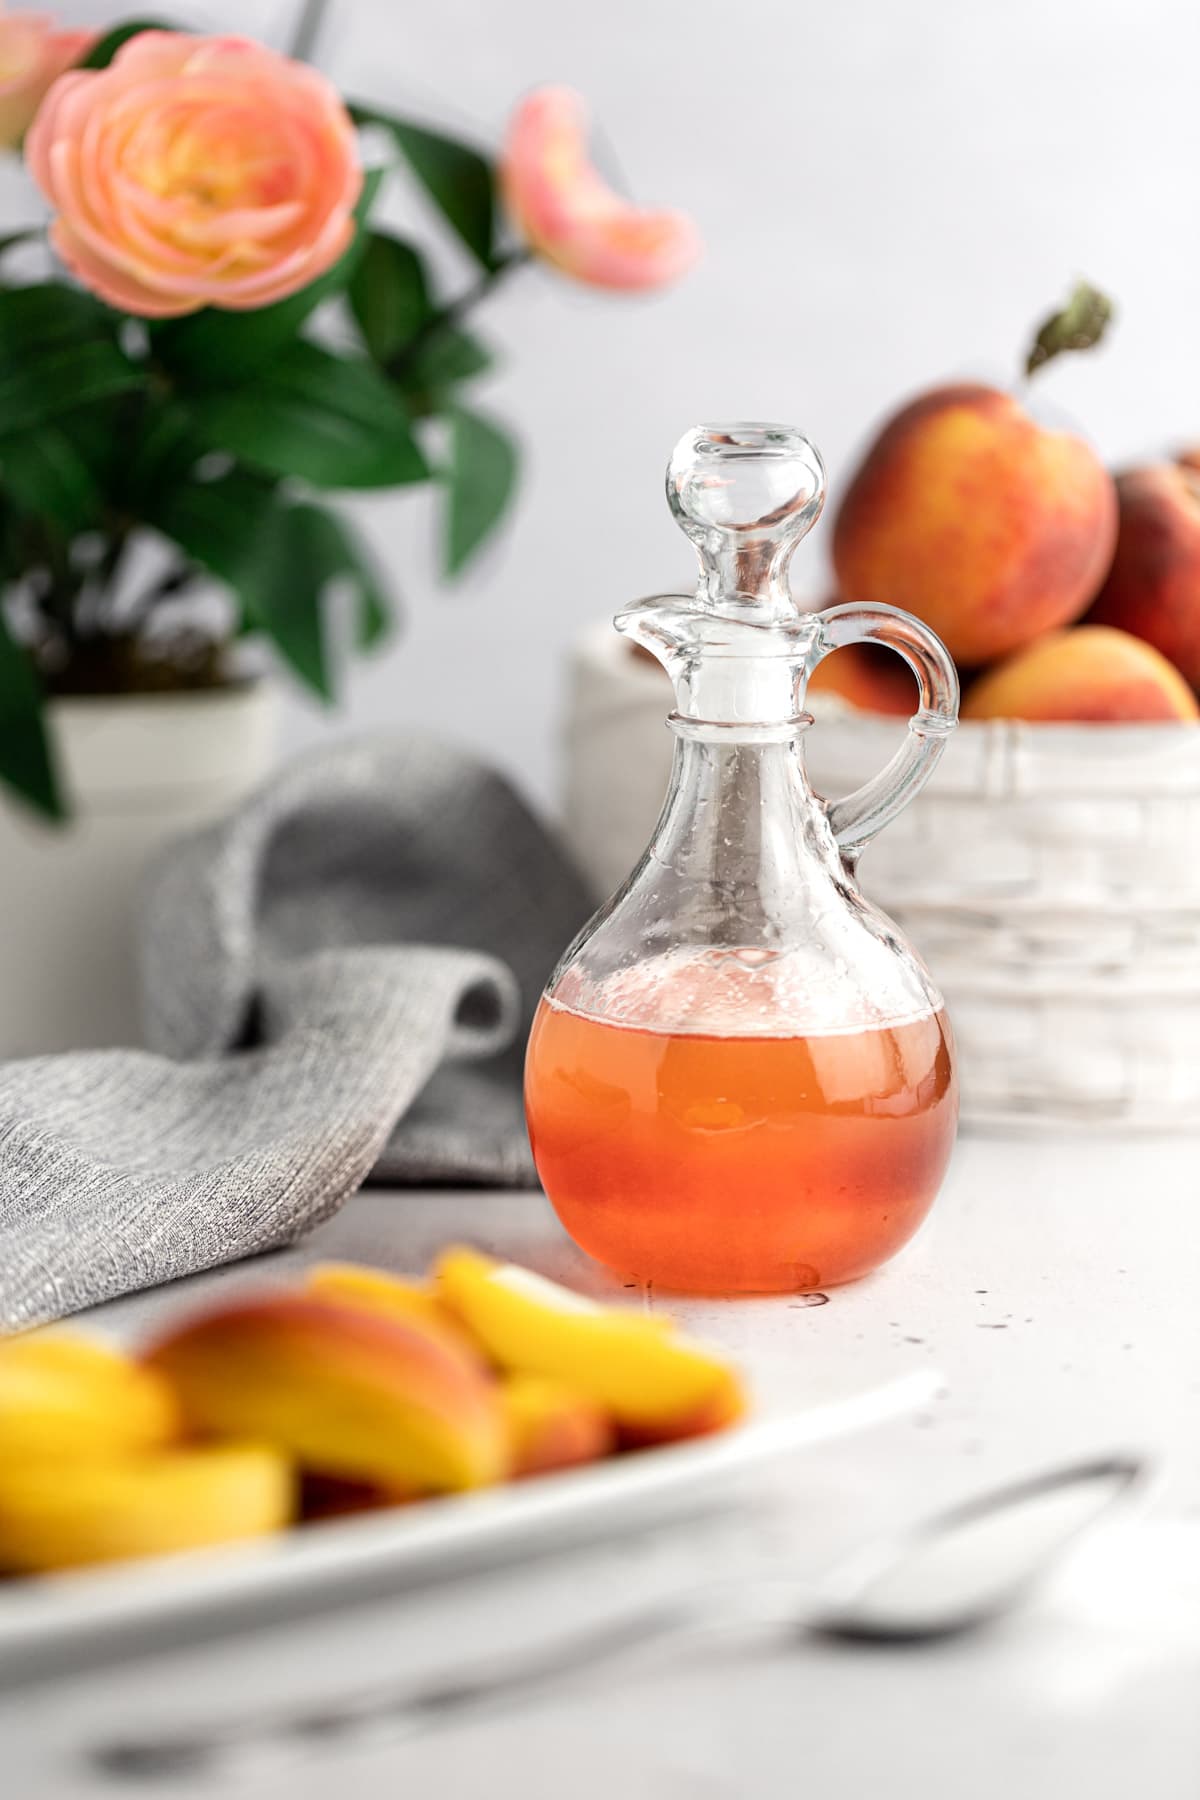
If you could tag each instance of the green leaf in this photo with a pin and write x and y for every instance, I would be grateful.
(44, 473)
(58, 352)
(458, 180)
(26, 763)
(49, 313)
(332, 420)
(164, 451)
(305, 549)
(389, 294)
(236, 528)
(279, 557)
(481, 478)
(450, 355)
(283, 595)
(224, 347)
(58, 380)
(1081, 323)
(105, 48)
(332, 547)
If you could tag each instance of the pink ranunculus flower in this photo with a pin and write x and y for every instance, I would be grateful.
(32, 55)
(196, 172)
(568, 214)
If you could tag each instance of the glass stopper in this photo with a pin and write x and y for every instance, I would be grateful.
(745, 495)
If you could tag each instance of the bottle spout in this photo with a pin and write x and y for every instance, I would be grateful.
(745, 495)
(729, 672)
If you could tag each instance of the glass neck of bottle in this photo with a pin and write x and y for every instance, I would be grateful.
(742, 817)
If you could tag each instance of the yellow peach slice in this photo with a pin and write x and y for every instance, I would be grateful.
(551, 1425)
(655, 1384)
(108, 1509)
(345, 1390)
(63, 1394)
(354, 1284)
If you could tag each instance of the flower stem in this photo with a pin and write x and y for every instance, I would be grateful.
(449, 315)
(308, 30)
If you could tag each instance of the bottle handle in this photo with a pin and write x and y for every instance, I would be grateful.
(857, 818)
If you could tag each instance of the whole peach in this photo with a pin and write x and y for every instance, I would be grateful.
(1091, 674)
(979, 520)
(869, 678)
(1153, 587)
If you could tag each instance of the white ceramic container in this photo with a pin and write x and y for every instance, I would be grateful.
(139, 771)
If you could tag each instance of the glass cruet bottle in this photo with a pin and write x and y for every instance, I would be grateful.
(740, 1077)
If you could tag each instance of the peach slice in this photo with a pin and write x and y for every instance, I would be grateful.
(63, 1394)
(346, 1390)
(113, 1508)
(656, 1384)
(397, 1297)
(552, 1426)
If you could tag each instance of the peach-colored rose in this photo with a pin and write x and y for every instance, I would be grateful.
(32, 55)
(196, 172)
(569, 215)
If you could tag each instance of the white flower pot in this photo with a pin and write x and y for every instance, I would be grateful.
(1049, 875)
(138, 771)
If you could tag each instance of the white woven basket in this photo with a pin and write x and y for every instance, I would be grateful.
(1049, 874)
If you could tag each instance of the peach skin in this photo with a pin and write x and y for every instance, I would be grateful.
(343, 1389)
(868, 678)
(570, 216)
(1091, 674)
(140, 1506)
(396, 1296)
(64, 1395)
(551, 1426)
(655, 1384)
(977, 519)
(1153, 587)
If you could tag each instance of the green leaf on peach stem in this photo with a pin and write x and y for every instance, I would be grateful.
(1081, 323)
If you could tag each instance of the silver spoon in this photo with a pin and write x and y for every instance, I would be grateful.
(955, 1572)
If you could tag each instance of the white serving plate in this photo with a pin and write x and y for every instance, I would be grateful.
(53, 1622)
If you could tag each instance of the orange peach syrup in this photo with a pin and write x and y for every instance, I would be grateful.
(740, 1164)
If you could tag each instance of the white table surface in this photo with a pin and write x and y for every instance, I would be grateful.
(1055, 1287)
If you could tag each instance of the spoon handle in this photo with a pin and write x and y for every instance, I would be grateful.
(984, 1581)
(392, 1713)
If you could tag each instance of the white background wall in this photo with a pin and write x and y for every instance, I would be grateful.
(891, 191)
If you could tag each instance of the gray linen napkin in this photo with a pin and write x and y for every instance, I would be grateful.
(338, 978)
